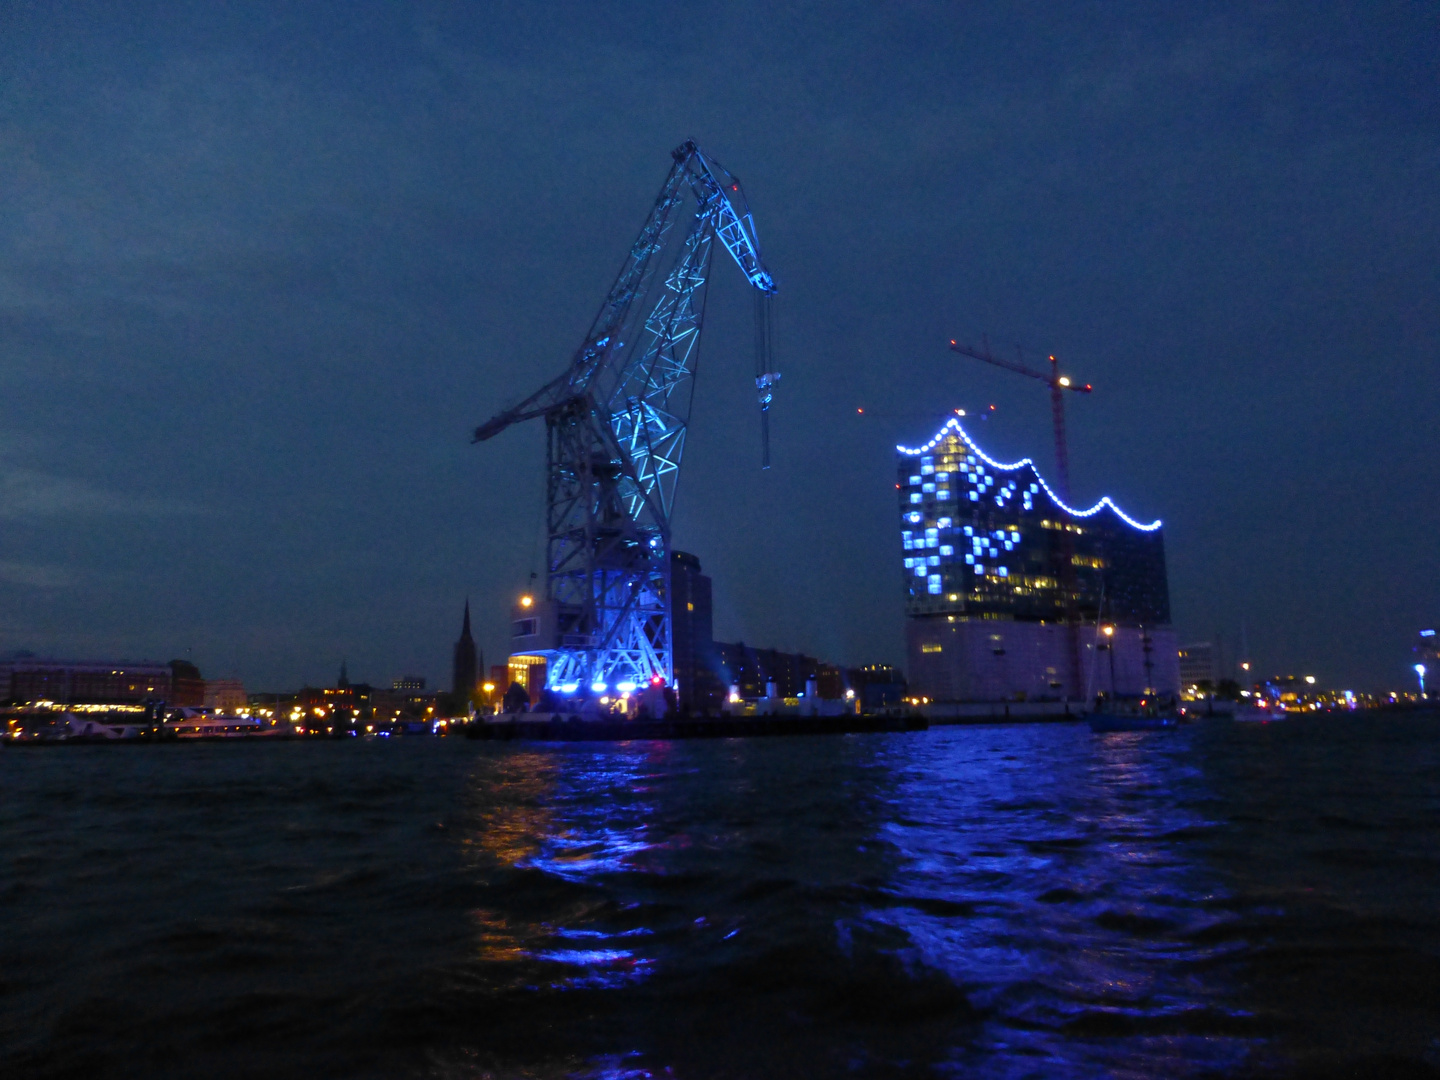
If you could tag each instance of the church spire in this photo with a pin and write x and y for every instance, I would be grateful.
(467, 662)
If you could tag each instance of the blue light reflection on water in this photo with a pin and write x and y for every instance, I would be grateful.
(1082, 912)
(1003, 901)
(1034, 871)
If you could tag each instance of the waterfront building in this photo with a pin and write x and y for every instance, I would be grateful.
(408, 682)
(1197, 667)
(752, 672)
(225, 695)
(527, 671)
(878, 685)
(1007, 589)
(187, 685)
(466, 664)
(692, 648)
(98, 682)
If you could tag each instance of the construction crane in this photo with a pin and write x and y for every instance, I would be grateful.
(1058, 384)
(615, 423)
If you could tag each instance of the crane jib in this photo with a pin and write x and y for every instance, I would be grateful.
(616, 423)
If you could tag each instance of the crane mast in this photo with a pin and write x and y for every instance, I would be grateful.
(1058, 385)
(615, 423)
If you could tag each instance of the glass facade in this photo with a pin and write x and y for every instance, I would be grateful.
(987, 540)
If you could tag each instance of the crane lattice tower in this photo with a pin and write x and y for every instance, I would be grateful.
(615, 423)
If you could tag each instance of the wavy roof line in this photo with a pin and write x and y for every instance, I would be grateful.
(1014, 465)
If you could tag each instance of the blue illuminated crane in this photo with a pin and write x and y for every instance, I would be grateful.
(615, 424)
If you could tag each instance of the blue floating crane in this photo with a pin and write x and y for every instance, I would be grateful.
(615, 424)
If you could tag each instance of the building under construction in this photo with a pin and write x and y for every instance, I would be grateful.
(1013, 595)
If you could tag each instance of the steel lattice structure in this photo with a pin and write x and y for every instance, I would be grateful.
(615, 433)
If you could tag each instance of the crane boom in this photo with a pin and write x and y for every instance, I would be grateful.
(1057, 383)
(616, 420)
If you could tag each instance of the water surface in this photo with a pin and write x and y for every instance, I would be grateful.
(1018, 901)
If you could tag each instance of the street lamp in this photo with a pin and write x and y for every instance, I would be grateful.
(1420, 671)
(1109, 632)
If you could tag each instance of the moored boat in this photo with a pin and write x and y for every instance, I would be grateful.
(1132, 713)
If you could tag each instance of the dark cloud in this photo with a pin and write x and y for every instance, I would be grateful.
(263, 268)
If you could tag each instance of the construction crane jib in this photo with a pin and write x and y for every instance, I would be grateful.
(615, 423)
(1057, 384)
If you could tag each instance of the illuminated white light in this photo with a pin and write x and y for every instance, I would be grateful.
(569, 687)
(598, 687)
(954, 425)
(625, 687)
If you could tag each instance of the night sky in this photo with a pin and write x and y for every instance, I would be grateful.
(262, 271)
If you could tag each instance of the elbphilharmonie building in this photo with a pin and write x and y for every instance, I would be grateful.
(1013, 595)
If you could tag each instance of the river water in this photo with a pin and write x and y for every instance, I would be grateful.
(1009, 901)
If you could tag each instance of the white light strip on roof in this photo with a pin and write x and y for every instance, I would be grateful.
(1013, 466)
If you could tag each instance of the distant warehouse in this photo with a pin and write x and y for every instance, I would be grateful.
(1011, 595)
(69, 681)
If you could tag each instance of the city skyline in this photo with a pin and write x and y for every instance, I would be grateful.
(257, 290)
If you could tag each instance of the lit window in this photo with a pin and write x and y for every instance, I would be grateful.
(1002, 572)
(914, 479)
(970, 559)
(1014, 537)
(1034, 489)
(1009, 546)
(935, 531)
(915, 497)
(974, 496)
(946, 549)
(979, 568)
(933, 560)
(942, 477)
(919, 567)
(932, 541)
(943, 493)
(969, 530)
(909, 564)
(944, 523)
(932, 584)
(914, 519)
(906, 534)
